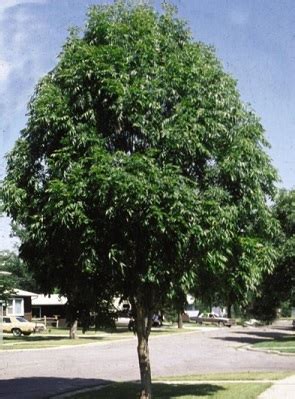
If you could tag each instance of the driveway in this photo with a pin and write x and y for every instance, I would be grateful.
(37, 374)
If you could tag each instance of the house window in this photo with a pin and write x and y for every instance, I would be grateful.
(15, 307)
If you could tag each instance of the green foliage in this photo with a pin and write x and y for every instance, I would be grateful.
(20, 275)
(279, 287)
(284, 210)
(140, 172)
(6, 281)
(286, 309)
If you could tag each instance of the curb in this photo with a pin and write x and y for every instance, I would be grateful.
(269, 351)
(64, 347)
(78, 391)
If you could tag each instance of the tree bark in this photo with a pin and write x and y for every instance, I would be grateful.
(229, 311)
(143, 323)
(73, 329)
(179, 319)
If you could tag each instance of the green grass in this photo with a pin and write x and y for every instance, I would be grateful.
(56, 337)
(244, 376)
(285, 344)
(217, 388)
(179, 391)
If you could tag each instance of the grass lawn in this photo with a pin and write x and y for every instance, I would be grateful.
(243, 376)
(56, 337)
(219, 386)
(179, 391)
(283, 345)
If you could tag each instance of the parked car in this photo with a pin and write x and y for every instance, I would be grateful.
(253, 323)
(213, 318)
(191, 313)
(126, 319)
(156, 322)
(18, 325)
(123, 318)
(122, 321)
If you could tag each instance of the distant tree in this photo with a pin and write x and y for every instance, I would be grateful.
(279, 286)
(251, 260)
(138, 170)
(6, 281)
(22, 277)
(174, 306)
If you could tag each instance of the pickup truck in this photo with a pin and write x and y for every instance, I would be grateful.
(212, 318)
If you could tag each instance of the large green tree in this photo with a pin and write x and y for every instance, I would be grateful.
(284, 211)
(138, 169)
(279, 286)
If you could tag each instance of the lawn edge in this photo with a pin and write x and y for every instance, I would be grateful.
(270, 351)
(69, 394)
(165, 334)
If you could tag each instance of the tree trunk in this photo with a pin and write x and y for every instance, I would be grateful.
(229, 311)
(179, 319)
(73, 329)
(143, 329)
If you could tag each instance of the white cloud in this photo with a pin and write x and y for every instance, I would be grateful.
(5, 4)
(13, 52)
(21, 59)
(22, 63)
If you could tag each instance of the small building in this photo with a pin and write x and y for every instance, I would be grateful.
(19, 304)
(52, 307)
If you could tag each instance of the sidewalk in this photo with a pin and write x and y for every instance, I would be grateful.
(282, 389)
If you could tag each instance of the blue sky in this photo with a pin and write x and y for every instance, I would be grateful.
(254, 39)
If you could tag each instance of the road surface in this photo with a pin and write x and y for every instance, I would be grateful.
(37, 374)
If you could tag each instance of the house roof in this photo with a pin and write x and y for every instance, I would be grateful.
(53, 299)
(17, 292)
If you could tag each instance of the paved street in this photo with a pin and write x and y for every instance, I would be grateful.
(37, 374)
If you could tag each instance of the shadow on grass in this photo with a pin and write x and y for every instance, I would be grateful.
(115, 330)
(46, 338)
(160, 391)
(254, 337)
(169, 391)
(283, 328)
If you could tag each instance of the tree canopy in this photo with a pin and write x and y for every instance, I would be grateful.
(279, 286)
(140, 170)
(284, 211)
